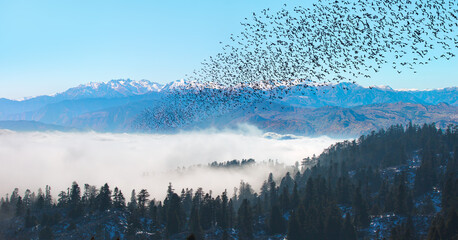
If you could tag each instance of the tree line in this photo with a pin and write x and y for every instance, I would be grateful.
(406, 174)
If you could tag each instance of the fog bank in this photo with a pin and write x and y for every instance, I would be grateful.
(36, 159)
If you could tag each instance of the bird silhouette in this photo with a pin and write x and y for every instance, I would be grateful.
(334, 41)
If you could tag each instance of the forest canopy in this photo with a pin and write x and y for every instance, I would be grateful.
(398, 183)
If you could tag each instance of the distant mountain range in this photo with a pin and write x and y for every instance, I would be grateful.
(336, 121)
(22, 125)
(343, 109)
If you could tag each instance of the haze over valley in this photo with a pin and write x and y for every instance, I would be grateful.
(135, 161)
(291, 120)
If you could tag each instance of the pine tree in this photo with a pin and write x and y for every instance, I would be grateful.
(29, 221)
(295, 196)
(119, 202)
(174, 216)
(194, 221)
(186, 197)
(90, 198)
(276, 221)
(309, 193)
(403, 200)
(48, 197)
(206, 212)
(245, 220)
(360, 208)
(152, 212)
(14, 196)
(104, 198)
(284, 200)
(425, 175)
(75, 194)
(265, 195)
(224, 212)
(273, 193)
(333, 223)
(450, 190)
(63, 199)
(133, 224)
(75, 201)
(133, 202)
(19, 206)
(5, 206)
(40, 203)
(142, 199)
(231, 214)
(27, 199)
(294, 227)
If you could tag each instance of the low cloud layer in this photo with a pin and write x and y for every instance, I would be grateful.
(135, 161)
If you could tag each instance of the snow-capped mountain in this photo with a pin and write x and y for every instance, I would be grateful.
(183, 84)
(115, 105)
(111, 89)
(177, 84)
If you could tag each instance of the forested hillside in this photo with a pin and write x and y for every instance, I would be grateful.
(398, 183)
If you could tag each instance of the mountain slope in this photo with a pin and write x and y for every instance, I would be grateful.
(351, 95)
(32, 126)
(63, 112)
(335, 121)
(344, 109)
(109, 90)
(115, 119)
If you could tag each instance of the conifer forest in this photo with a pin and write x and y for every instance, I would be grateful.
(397, 183)
(229, 120)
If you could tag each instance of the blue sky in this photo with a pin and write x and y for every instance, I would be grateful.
(49, 46)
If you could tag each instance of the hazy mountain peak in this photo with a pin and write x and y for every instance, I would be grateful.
(384, 87)
(110, 89)
(93, 85)
(177, 84)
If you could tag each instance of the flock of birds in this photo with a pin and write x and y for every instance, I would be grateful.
(333, 41)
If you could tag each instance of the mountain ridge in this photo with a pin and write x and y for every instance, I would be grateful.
(126, 87)
(116, 105)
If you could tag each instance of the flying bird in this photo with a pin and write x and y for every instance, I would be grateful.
(279, 52)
